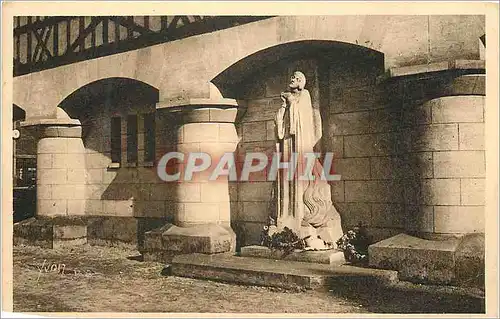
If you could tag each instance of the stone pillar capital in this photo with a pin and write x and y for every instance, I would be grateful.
(43, 128)
(195, 110)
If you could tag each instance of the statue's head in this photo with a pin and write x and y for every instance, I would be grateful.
(297, 81)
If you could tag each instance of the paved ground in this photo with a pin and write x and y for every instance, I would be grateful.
(103, 279)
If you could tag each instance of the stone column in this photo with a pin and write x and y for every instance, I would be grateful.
(452, 194)
(202, 207)
(444, 240)
(61, 177)
(60, 167)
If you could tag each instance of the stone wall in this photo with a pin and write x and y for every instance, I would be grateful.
(346, 95)
(411, 153)
(130, 190)
(362, 130)
(410, 150)
(446, 195)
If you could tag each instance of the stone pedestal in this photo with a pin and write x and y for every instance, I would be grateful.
(456, 261)
(202, 207)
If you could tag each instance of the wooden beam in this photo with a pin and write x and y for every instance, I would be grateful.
(131, 25)
(130, 30)
(93, 38)
(173, 24)
(68, 35)
(18, 40)
(148, 38)
(28, 46)
(164, 24)
(32, 26)
(55, 38)
(117, 31)
(185, 20)
(105, 30)
(42, 41)
(84, 33)
(81, 40)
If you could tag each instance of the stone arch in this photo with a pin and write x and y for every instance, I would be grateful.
(84, 102)
(108, 88)
(325, 51)
(111, 185)
(52, 87)
(18, 113)
(331, 69)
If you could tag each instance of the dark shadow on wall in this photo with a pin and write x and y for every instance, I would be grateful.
(412, 119)
(350, 94)
(111, 95)
(121, 194)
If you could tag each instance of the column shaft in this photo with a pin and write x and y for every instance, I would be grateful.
(60, 171)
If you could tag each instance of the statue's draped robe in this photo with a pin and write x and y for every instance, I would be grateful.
(303, 205)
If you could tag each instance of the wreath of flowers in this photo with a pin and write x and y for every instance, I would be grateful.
(354, 243)
(285, 240)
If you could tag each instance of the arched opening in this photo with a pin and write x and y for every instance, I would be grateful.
(93, 101)
(24, 167)
(18, 114)
(327, 53)
(120, 131)
(343, 80)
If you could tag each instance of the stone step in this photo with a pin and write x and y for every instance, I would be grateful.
(332, 257)
(286, 274)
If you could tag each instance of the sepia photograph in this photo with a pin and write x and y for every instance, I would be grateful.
(168, 161)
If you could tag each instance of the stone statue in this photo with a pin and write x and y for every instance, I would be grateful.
(302, 204)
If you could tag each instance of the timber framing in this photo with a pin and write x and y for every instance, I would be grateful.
(46, 42)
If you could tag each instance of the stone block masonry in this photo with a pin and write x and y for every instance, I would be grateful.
(457, 261)
(456, 189)
(414, 148)
(404, 147)
(61, 175)
(51, 232)
(444, 206)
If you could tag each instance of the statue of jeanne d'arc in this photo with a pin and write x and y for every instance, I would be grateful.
(302, 204)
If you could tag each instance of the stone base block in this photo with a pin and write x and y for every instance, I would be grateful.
(275, 273)
(332, 257)
(114, 230)
(469, 258)
(170, 240)
(429, 261)
(92, 230)
(51, 232)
